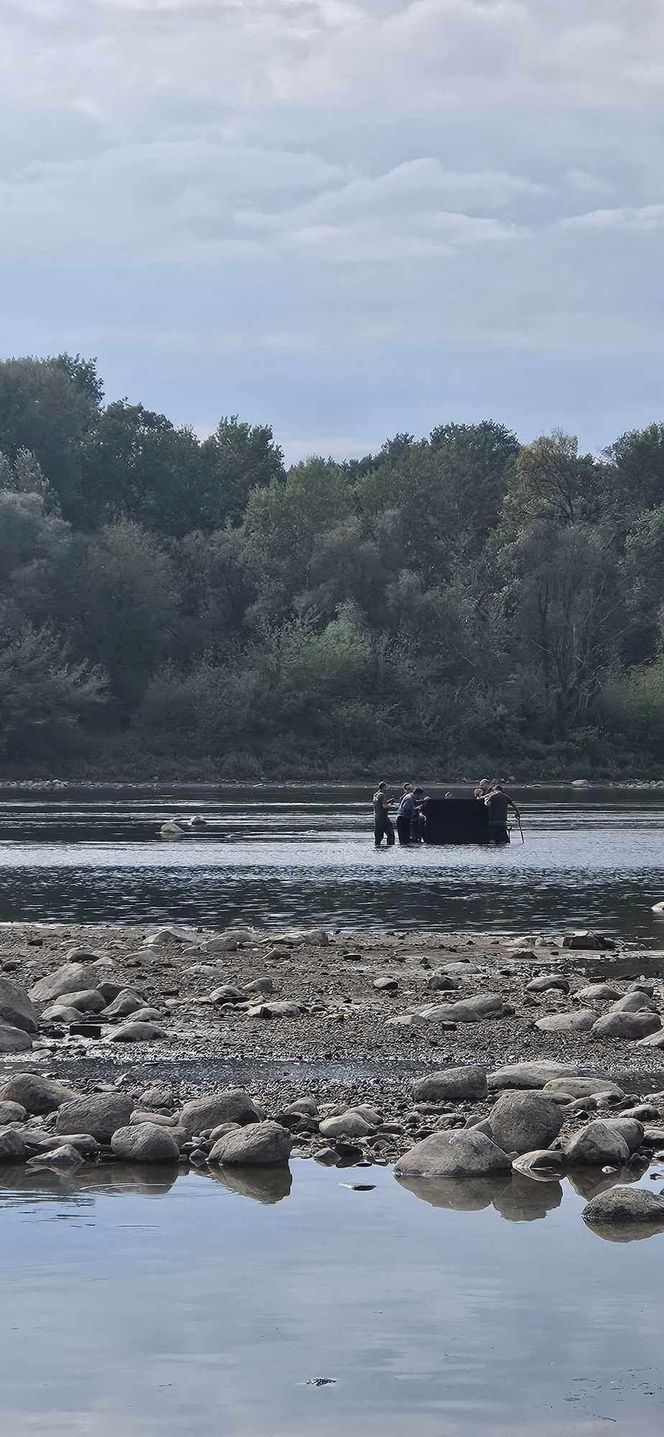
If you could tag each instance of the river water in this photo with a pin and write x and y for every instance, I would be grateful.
(282, 857)
(139, 1304)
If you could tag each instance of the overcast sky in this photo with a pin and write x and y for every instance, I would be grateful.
(342, 217)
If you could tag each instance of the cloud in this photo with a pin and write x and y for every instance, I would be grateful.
(633, 219)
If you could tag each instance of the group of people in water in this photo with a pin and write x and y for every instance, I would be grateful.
(411, 818)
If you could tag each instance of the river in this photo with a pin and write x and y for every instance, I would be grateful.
(279, 857)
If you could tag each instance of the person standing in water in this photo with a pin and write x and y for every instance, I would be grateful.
(405, 815)
(383, 826)
(498, 803)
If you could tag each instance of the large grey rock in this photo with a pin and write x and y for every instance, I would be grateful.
(283, 1008)
(653, 1040)
(227, 993)
(545, 981)
(88, 1000)
(350, 1124)
(136, 1032)
(521, 1122)
(455, 1155)
(583, 1087)
(14, 1040)
(580, 1020)
(59, 1012)
(441, 982)
(453, 1084)
(157, 1095)
(626, 1025)
(11, 1113)
(16, 1008)
(69, 978)
(530, 1074)
(598, 993)
(100, 1114)
(629, 1128)
(234, 1106)
(145, 1143)
(35, 1093)
(13, 1148)
(259, 1145)
(64, 1157)
(126, 1003)
(542, 1163)
(625, 1205)
(583, 940)
(634, 1002)
(467, 1010)
(598, 1143)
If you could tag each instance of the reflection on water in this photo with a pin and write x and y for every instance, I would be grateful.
(595, 859)
(166, 1306)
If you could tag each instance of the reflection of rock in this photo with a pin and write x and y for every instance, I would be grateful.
(457, 1194)
(625, 1214)
(102, 1178)
(264, 1185)
(590, 1182)
(526, 1200)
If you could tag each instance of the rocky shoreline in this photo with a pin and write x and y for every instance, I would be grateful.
(451, 1056)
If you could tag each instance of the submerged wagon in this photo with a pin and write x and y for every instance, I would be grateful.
(457, 820)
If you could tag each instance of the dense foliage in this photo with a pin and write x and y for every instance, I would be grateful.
(176, 605)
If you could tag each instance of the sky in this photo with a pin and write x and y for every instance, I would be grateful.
(345, 218)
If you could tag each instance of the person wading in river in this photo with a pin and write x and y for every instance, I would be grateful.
(498, 804)
(383, 827)
(405, 815)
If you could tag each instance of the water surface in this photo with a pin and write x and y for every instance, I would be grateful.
(303, 856)
(150, 1306)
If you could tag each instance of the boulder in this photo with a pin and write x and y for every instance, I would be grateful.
(136, 1032)
(60, 1013)
(625, 1205)
(596, 1144)
(88, 1000)
(35, 1093)
(580, 1020)
(234, 1106)
(16, 1008)
(626, 1025)
(170, 937)
(281, 1009)
(145, 1143)
(227, 993)
(126, 1003)
(11, 1113)
(13, 1148)
(157, 1095)
(629, 1128)
(583, 1087)
(350, 1124)
(14, 1040)
(64, 1158)
(542, 1162)
(100, 1114)
(545, 981)
(386, 985)
(467, 1010)
(265, 984)
(231, 940)
(634, 1002)
(439, 981)
(69, 978)
(529, 1074)
(653, 1040)
(260, 1145)
(456, 1154)
(523, 1121)
(222, 1129)
(598, 993)
(452, 1084)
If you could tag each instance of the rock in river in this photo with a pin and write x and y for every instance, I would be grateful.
(455, 1155)
(521, 1122)
(14, 1040)
(100, 1114)
(625, 1205)
(12, 1146)
(145, 1143)
(16, 1008)
(598, 1143)
(454, 1084)
(260, 1145)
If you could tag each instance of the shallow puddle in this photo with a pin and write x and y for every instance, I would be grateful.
(135, 1303)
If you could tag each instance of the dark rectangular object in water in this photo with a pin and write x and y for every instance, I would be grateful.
(455, 820)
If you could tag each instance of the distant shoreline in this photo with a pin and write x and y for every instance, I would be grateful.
(87, 785)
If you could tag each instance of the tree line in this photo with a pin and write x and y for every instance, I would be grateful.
(171, 605)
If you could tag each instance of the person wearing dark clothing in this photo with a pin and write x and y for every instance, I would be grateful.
(498, 804)
(417, 823)
(383, 826)
(405, 816)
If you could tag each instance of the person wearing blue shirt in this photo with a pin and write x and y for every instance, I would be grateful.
(405, 815)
